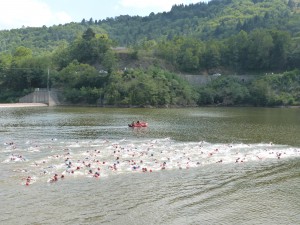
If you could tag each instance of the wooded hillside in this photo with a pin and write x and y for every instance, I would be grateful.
(222, 36)
(204, 21)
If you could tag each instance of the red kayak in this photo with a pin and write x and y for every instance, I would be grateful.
(138, 124)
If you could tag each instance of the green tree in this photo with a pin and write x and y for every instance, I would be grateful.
(21, 53)
(90, 47)
(236, 52)
(259, 50)
(188, 61)
(61, 56)
(109, 61)
(261, 92)
(279, 53)
(77, 75)
(212, 55)
(224, 90)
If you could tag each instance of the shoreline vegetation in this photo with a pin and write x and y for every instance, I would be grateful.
(22, 105)
(249, 58)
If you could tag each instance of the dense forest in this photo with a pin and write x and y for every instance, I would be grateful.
(136, 61)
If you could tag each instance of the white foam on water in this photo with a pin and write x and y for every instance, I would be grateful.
(13, 158)
(103, 158)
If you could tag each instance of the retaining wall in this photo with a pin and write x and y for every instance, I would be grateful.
(41, 96)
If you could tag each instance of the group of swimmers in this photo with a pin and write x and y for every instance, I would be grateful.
(147, 157)
(55, 178)
(17, 157)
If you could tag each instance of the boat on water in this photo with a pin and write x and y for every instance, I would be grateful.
(138, 124)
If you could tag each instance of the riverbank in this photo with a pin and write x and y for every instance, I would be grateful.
(17, 105)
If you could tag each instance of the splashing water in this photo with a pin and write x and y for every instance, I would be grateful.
(56, 160)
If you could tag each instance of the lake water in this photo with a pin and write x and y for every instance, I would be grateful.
(190, 166)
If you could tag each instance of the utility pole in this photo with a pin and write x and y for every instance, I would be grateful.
(48, 79)
(48, 86)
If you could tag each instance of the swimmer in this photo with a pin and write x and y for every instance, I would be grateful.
(278, 155)
(97, 174)
(53, 179)
(28, 180)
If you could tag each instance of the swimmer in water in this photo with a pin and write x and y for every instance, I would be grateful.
(54, 178)
(28, 180)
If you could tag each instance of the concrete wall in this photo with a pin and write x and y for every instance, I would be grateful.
(41, 95)
(198, 80)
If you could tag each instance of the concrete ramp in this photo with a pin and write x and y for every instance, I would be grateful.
(41, 95)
